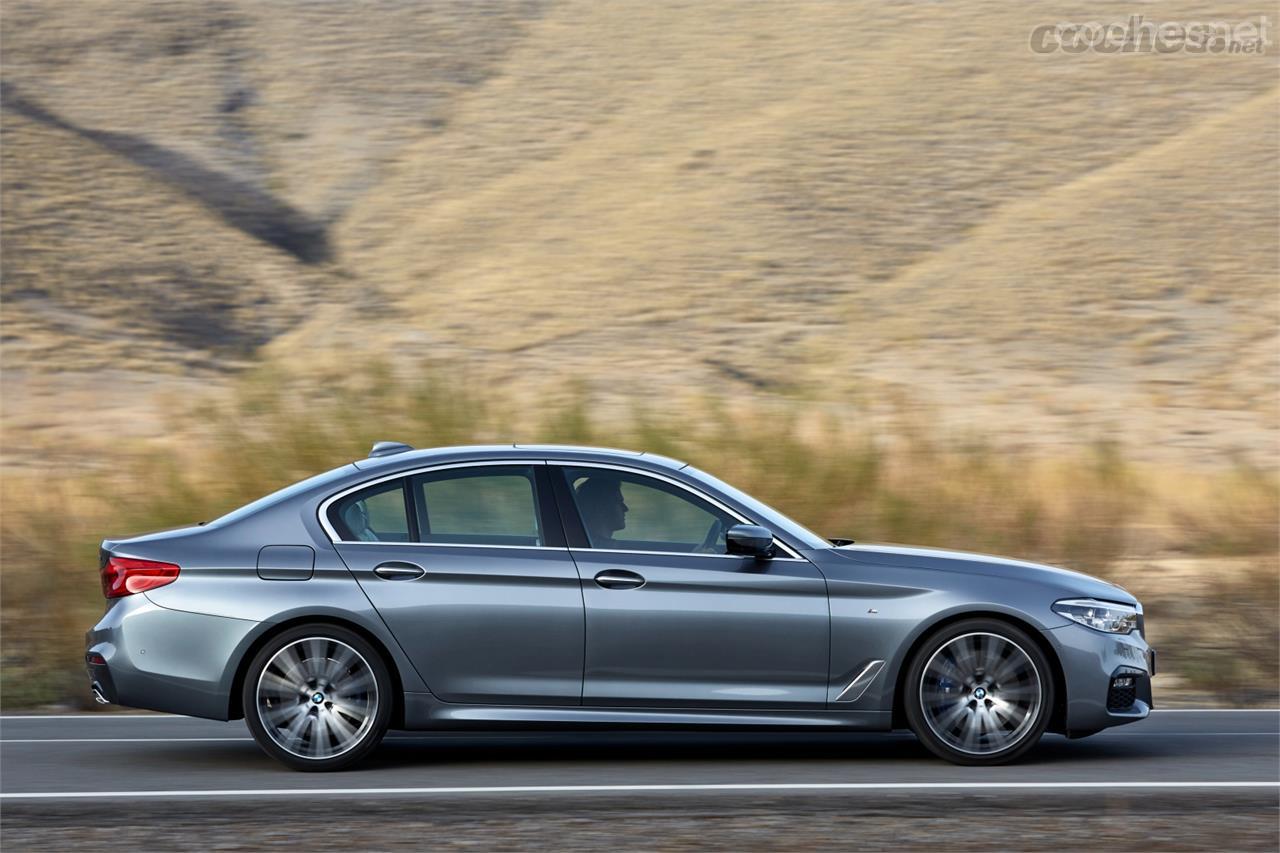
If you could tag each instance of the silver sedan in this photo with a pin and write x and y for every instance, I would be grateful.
(516, 586)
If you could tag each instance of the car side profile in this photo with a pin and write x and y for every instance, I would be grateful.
(530, 586)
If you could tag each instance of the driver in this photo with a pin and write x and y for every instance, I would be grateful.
(603, 510)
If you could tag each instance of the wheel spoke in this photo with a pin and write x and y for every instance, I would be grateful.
(282, 714)
(352, 712)
(293, 734)
(1008, 668)
(952, 668)
(955, 713)
(1004, 714)
(290, 665)
(1019, 694)
(972, 728)
(278, 686)
(354, 686)
(998, 651)
(339, 664)
(966, 655)
(315, 658)
(343, 730)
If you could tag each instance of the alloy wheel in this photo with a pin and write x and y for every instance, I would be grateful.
(317, 698)
(980, 693)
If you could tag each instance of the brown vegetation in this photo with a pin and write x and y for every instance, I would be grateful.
(1213, 610)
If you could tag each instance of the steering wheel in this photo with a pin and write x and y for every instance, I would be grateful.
(708, 545)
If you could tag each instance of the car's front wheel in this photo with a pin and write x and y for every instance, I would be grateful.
(317, 697)
(979, 692)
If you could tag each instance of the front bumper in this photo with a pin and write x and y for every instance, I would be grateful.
(1107, 677)
(146, 656)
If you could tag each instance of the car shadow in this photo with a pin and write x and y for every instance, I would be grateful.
(404, 749)
(408, 748)
(548, 749)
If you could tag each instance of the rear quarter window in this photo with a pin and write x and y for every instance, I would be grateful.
(375, 514)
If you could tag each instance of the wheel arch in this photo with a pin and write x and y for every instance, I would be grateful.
(1057, 720)
(235, 709)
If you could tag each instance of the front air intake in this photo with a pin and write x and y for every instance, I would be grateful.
(1123, 691)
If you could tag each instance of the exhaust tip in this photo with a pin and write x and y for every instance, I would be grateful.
(97, 694)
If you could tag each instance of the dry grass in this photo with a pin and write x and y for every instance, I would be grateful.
(1093, 511)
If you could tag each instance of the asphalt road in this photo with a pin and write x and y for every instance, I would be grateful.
(1184, 772)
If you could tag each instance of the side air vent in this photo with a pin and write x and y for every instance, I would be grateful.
(388, 448)
(861, 682)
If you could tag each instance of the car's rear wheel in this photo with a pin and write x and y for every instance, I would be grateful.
(979, 692)
(317, 697)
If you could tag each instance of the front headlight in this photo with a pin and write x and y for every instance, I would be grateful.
(1099, 615)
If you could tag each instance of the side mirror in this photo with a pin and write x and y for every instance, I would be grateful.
(750, 540)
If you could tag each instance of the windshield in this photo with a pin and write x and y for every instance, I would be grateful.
(762, 511)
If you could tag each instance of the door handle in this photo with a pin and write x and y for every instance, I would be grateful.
(397, 571)
(619, 579)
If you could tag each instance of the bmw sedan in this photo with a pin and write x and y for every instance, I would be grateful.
(521, 586)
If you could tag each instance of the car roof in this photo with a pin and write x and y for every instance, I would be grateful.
(479, 452)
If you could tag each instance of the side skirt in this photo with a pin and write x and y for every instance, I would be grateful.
(422, 711)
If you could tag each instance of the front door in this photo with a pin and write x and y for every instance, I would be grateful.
(463, 565)
(672, 620)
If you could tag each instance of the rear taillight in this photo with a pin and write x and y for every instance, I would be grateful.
(125, 576)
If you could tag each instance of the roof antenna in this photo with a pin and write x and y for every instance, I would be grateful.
(388, 448)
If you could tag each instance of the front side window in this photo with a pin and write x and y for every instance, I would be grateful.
(632, 512)
(478, 506)
(375, 514)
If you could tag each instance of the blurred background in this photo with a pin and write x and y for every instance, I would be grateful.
(879, 264)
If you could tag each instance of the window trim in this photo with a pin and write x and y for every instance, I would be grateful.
(322, 512)
(556, 477)
(560, 464)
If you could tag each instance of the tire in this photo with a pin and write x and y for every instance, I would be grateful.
(979, 692)
(317, 697)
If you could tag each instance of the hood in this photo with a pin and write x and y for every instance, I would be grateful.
(1072, 583)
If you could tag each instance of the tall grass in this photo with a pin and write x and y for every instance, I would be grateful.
(1090, 510)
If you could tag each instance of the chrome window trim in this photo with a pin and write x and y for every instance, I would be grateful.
(322, 513)
(680, 554)
(565, 463)
(450, 545)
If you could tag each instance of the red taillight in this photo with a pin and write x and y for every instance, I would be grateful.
(125, 576)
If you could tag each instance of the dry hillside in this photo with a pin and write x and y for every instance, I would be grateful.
(846, 201)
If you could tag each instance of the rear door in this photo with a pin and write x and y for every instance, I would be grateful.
(467, 566)
(674, 621)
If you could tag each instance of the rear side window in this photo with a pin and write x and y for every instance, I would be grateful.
(495, 505)
(376, 514)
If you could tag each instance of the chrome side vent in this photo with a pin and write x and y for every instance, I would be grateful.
(861, 682)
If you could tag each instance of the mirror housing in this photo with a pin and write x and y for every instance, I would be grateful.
(749, 540)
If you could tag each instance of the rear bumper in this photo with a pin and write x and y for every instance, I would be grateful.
(164, 660)
(1094, 668)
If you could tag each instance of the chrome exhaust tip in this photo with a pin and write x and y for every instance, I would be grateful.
(97, 694)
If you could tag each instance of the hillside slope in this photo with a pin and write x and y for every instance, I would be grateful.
(852, 202)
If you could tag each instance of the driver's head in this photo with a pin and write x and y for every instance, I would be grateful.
(604, 512)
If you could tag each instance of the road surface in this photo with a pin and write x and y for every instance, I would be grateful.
(1179, 780)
